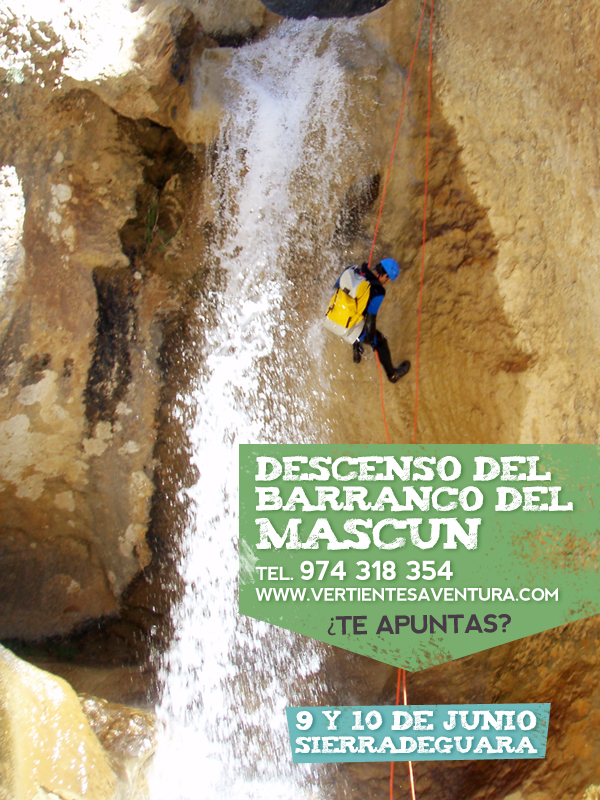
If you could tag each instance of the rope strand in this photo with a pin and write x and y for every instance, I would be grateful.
(417, 363)
(389, 170)
(401, 677)
(410, 766)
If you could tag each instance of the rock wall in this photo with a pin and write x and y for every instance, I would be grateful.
(509, 335)
(558, 667)
(46, 742)
(81, 331)
(72, 434)
(58, 745)
(529, 113)
(516, 85)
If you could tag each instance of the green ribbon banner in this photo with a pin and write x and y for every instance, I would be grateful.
(417, 555)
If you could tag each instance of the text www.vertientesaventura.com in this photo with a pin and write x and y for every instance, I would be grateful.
(365, 594)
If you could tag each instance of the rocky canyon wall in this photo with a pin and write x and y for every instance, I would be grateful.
(84, 314)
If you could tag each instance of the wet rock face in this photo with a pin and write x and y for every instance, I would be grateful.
(77, 406)
(127, 735)
(56, 744)
(46, 742)
(324, 9)
(81, 330)
(531, 149)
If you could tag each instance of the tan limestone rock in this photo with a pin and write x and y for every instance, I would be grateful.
(46, 742)
(74, 433)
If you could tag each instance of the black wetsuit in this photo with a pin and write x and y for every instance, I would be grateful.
(370, 335)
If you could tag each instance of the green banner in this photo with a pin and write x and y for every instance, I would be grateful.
(416, 555)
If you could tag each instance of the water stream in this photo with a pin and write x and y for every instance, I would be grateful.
(275, 188)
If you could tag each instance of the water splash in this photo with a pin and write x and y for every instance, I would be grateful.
(275, 185)
(12, 216)
(88, 40)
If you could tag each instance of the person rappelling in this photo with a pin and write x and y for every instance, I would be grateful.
(352, 312)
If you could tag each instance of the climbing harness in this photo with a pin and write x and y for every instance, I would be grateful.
(401, 677)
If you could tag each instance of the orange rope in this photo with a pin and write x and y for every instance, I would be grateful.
(389, 171)
(400, 671)
(401, 678)
(410, 766)
(424, 223)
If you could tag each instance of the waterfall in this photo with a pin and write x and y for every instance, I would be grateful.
(275, 187)
(12, 215)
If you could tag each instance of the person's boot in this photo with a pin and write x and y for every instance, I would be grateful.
(399, 372)
(358, 350)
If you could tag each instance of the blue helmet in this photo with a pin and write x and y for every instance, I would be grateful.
(391, 267)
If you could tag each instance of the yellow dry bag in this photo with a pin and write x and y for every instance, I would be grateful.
(346, 313)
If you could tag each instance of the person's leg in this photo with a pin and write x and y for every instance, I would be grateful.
(383, 351)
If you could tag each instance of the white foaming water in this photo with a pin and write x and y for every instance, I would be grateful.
(12, 215)
(94, 38)
(12, 253)
(227, 679)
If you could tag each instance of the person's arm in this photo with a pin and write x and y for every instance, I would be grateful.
(369, 329)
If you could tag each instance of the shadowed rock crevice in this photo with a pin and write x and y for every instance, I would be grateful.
(325, 9)
(159, 210)
(110, 372)
(185, 32)
(144, 627)
(16, 335)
